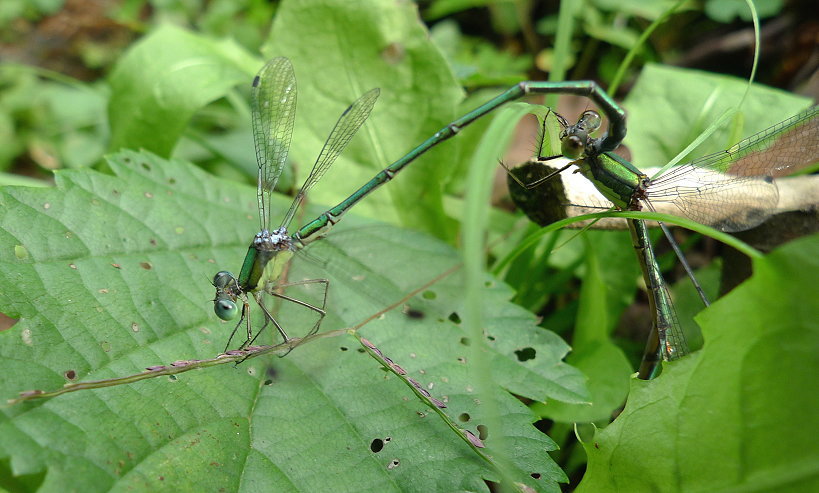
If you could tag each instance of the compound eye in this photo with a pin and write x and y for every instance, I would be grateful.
(572, 147)
(225, 309)
(222, 279)
(590, 121)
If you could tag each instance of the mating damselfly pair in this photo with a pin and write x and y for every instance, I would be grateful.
(701, 190)
(731, 190)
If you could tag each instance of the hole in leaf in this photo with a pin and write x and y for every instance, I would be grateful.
(172, 181)
(268, 382)
(491, 338)
(465, 341)
(360, 350)
(146, 166)
(535, 475)
(343, 348)
(70, 374)
(377, 445)
(393, 464)
(146, 265)
(525, 354)
(464, 417)
(483, 432)
(454, 318)
(414, 313)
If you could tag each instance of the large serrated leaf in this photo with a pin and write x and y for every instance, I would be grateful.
(110, 274)
(740, 414)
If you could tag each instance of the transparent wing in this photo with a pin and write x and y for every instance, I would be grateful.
(734, 189)
(273, 104)
(347, 125)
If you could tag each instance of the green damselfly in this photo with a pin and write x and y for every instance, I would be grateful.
(731, 190)
(273, 104)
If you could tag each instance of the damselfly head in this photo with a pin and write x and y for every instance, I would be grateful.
(575, 138)
(223, 304)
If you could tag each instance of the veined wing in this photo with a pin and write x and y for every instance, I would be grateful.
(734, 189)
(273, 104)
(347, 125)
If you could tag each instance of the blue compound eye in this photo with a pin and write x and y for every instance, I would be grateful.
(225, 309)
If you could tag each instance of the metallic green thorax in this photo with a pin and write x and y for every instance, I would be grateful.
(262, 263)
(251, 269)
(617, 179)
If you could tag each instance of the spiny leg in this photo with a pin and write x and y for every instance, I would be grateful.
(251, 338)
(681, 256)
(244, 318)
(268, 317)
(320, 310)
(539, 181)
(542, 135)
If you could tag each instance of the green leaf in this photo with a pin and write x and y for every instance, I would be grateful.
(726, 11)
(164, 79)
(604, 294)
(647, 10)
(372, 44)
(110, 274)
(443, 8)
(737, 415)
(56, 120)
(669, 107)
